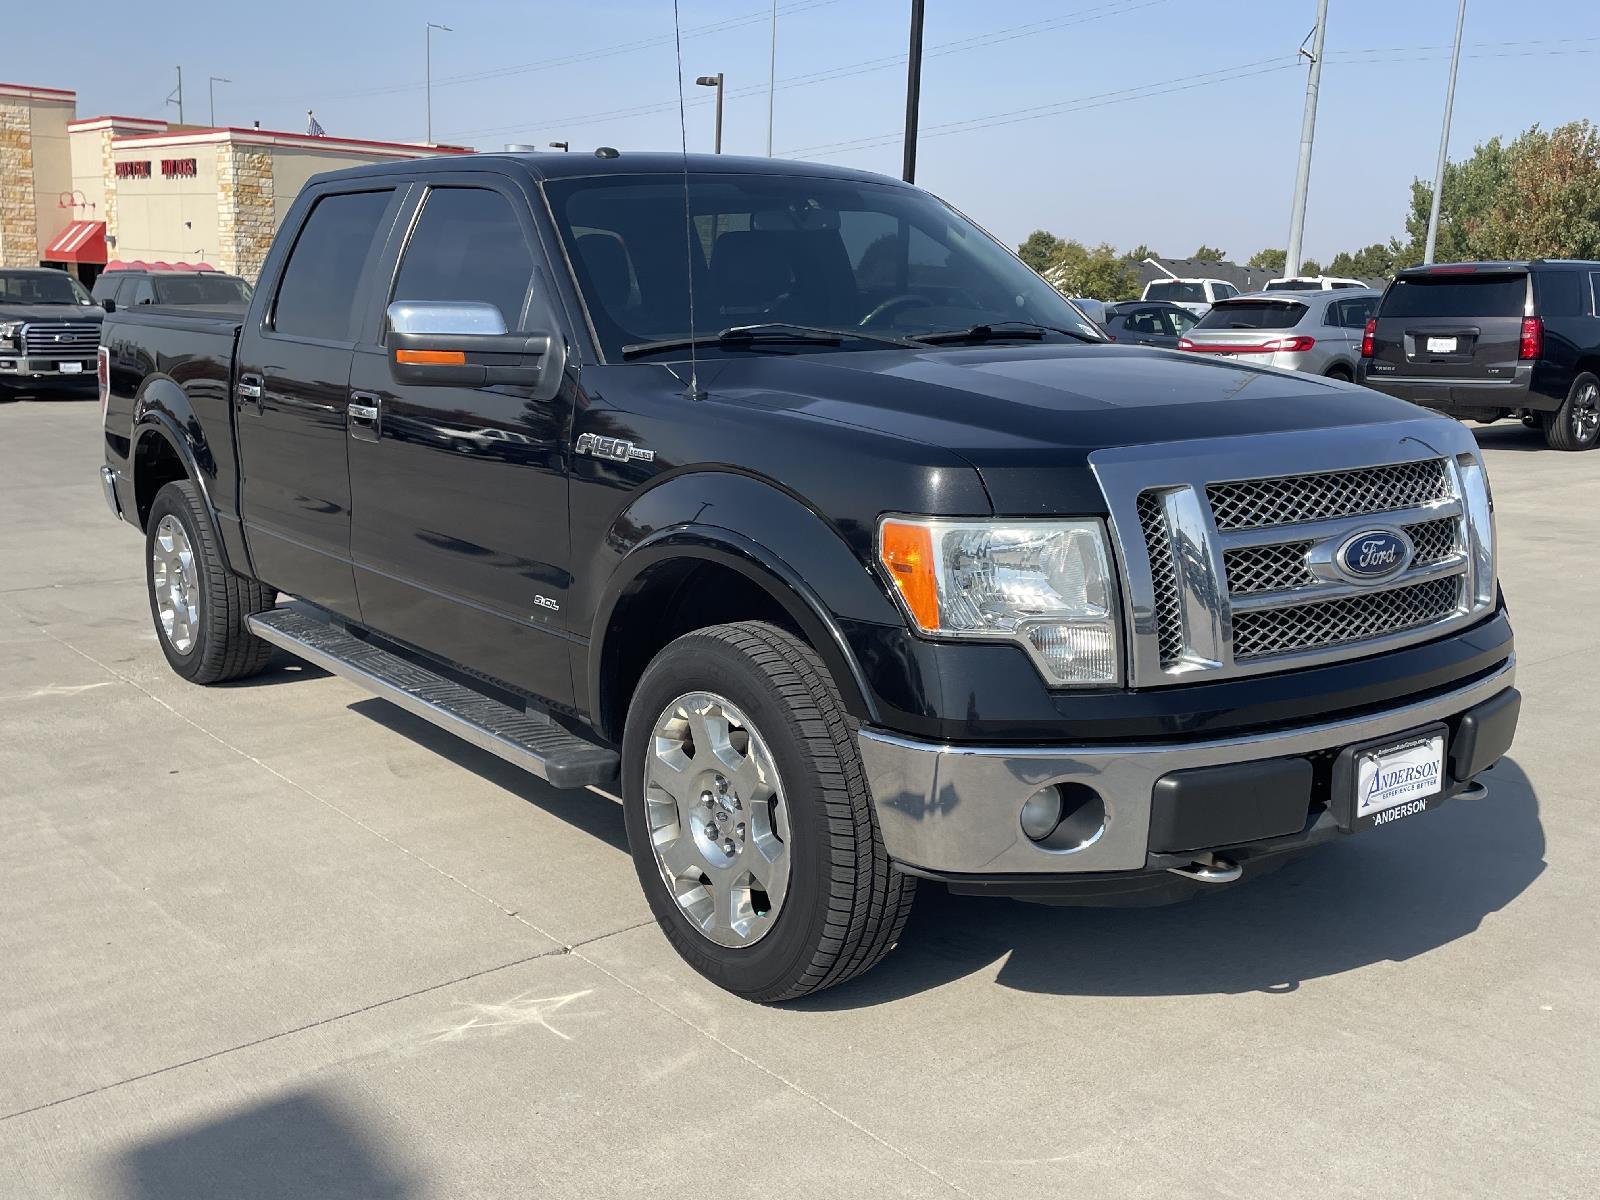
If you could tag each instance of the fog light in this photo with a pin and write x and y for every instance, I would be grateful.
(1042, 813)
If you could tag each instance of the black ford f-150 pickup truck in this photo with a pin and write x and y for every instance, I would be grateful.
(786, 501)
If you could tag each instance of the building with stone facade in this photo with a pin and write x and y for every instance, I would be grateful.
(79, 193)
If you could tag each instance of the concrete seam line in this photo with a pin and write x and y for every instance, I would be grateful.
(56, 587)
(300, 787)
(784, 1080)
(283, 1033)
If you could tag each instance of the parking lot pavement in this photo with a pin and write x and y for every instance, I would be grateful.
(282, 940)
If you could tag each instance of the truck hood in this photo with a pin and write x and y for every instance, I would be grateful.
(90, 314)
(1027, 417)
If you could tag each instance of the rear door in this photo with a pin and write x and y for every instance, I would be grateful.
(1447, 323)
(291, 387)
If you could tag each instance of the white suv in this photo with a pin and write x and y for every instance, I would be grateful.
(1196, 295)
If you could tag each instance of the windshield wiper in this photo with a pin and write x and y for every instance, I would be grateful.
(995, 330)
(772, 333)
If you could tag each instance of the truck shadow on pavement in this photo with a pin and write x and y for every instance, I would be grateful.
(298, 1147)
(1510, 435)
(1385, 895)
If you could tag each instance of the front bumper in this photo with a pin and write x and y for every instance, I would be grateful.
(70, 367)
(953, 811)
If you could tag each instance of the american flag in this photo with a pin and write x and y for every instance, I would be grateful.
(313, 126)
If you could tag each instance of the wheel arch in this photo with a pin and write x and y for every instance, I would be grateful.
(168, 442)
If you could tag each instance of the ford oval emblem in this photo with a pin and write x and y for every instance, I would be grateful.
(1373, 555)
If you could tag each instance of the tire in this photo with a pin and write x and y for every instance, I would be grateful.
(844, 903)
(1576, 424)
(198, 605)
(1342, 374)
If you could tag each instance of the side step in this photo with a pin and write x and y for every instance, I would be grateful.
(530, 740)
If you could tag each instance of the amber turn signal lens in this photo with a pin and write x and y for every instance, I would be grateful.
(445, 358)
(906, 552)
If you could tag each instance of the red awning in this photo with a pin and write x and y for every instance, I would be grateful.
(80, 242)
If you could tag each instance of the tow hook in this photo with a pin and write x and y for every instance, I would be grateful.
(1210, 868)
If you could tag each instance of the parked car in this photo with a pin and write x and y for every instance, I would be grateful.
(870, 563)
(126, 287)
(1316, 332)
(1144, 323)
(1196, 295)
(49, 328)
(1483, 341)
(1313, 283)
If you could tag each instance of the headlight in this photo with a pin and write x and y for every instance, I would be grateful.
(1046, 585)
(9, 330)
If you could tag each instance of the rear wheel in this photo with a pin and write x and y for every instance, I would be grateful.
(199, 606)
(1342, 374)
(1576, 424)
(749, 818)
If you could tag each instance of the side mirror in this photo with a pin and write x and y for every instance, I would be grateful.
(109, 304)
(447, 343)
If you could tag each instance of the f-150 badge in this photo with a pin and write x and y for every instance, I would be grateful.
(616, 449)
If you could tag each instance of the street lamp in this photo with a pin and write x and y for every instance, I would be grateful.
(211, 87)
(427, 59)
(562, 146)
(716, 82)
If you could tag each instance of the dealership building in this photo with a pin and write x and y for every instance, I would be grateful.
(78, 194)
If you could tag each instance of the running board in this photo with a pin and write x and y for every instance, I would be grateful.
(530, 740)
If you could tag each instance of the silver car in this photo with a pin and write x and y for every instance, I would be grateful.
(1315, 332)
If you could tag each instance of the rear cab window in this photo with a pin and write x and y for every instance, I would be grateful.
(1175, 292)
(1475, 294)
(1253, 314)
(317, 296)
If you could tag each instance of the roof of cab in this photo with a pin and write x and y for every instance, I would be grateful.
(626, 162)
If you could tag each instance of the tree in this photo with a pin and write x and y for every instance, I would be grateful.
(1209, 254)
(1100, 273)
(1310, 267)
(1141, 252)
(1039, 249)
(1268, 260)
(1370, 262)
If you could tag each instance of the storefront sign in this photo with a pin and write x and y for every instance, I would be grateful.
(133, 170)
(176, 168)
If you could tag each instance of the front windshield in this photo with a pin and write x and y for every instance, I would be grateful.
(40, 287)
(825, 253)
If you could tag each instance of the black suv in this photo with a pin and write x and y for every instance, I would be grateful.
(126, 288)
(1483, 341)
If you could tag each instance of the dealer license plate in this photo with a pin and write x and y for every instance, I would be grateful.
(1399, 781)
(70, 368)
(1441, 345)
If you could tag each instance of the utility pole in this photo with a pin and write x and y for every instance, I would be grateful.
(1308, 131)
(211, 87)
(427, 66)
(1444, 138)
(914, 92)
(176, 96)
(772, 74)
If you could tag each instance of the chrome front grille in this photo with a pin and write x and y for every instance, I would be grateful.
(66, 339)
(1263, 633)
(1230, 570)
(1289, 500)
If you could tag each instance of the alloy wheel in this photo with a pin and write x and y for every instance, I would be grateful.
(718, 818)
(175, 583)
(1586, 413)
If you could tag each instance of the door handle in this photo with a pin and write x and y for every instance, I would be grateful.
(250, 388)
(363, 411)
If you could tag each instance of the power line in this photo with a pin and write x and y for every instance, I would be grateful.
(865, 66)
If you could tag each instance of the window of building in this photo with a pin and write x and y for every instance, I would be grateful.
(317, 297)
(468, 245)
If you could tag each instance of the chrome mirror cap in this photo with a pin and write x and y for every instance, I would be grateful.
(445, 317)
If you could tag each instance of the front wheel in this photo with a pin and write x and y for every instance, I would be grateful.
(1576, 424)
(749, 817)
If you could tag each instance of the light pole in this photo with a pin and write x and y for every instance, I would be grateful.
(561, 146)
(716, 82)
(1444, 138)
(1308, 131)
(772, 74)
(427, 59)
(908, 170)
(211, 87)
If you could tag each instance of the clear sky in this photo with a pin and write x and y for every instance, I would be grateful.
(1171, 122)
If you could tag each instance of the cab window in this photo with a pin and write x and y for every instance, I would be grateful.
(467, 245)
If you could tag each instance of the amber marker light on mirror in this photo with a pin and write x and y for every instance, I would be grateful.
(437, 358)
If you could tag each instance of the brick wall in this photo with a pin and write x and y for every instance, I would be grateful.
(19, 239)
(245, 219)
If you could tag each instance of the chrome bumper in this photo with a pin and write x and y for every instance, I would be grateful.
(35, 367)
(955, 809)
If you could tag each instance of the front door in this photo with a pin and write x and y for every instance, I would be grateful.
(459, 534)
(291, 389)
